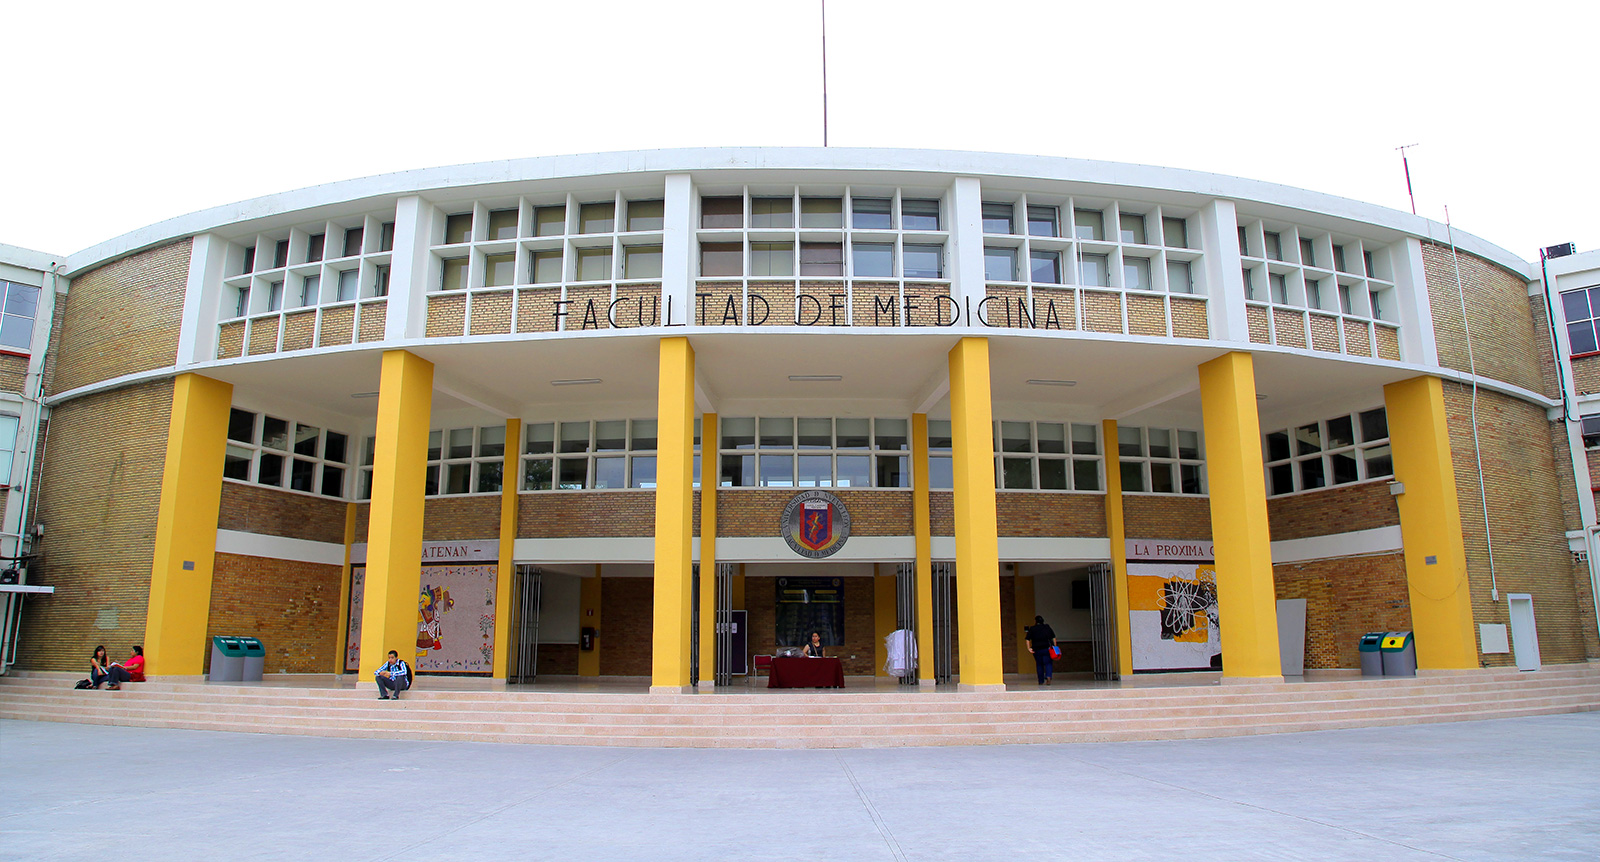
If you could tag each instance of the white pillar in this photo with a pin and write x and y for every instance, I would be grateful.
(1417, 343)
(1219, 239)
(677, 250)
(966, 241)
(202, 299)
(407, 314)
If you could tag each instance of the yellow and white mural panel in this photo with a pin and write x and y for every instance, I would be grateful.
(1172, 616)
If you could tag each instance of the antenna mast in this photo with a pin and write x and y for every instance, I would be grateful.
(1403, 162)
(824, 73)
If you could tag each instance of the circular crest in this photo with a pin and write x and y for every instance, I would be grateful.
(815, 524)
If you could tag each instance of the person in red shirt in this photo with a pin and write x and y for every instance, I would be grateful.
(131, 670)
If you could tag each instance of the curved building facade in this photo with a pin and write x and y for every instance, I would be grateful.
(556, 415)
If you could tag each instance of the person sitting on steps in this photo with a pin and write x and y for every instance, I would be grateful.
(393, 677)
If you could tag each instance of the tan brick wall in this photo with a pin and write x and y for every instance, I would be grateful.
(451, 518)
(757, 511)
(292, 607)
(586, 513)
(1525, 517)
(1325, 333)
(926, 307)
(1357, 338)
(299, 328)
(1345, 599)
(1541, 337)
(338, 326)
(627, 607)
(1189, 318)
(447, 315)
(1504, 345)
(1329, 511)
(558, 659)
(374, 317)
(876, 304)
(230, 340)
(536, 309)
(640, 306)
(264, 335)
(1288, 328)
(719, 303)
(13, 372)
(779, 299)
(822, 303)
(123, 317)
(491, 313)
(1102, 311)
(272, 512)
(1004, 306)
(1063, 314)
(1147, 315)
(1388, 340)
(1157, 517)
(1586, 375)
(99, 509)
(1257, 319)
(586, 308)
(1023, 514)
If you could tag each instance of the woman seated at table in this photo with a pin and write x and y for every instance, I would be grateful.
(814, 646)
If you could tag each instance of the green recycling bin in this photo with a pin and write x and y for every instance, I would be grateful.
(255, 656)
(1371, 654)
(227, 660)
(1399, 651)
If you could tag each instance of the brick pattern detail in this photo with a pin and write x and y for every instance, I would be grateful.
(230, 340)
(122, 318)
(1064, 312)
(942, 513)
(627, 606)
(586, 308)
(1388, 339)
(926, 307)
(1357, 337)
(264, 335)
(1503, 341)
(100, 505)
(1525, 515)
(272, 512)
(1345, 599)
(758, 511)
(491, 313)
(299, 330)
(1025, 514)
(558, 659)
(447, 315)
(1147, 315)
(556, 515)
(338, 326)
(13, 372)
(374, 317)
(363, 520)
(536, 309)
(1005, 306)
(1288, 328)
(640, 305)
(1161, 517)
(469, 517)
(720, 303)
(293, 607)
(822, 303)
(1260, 329)
(1586, 375)
(1102, 311)
(1541, 337)
(1189, 317)
(1342, 509)
(876, 304)
(778, 297)
(1325, 333)
(860, 634)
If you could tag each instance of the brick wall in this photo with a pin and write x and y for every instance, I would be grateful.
(272, 512)
(450, 518)
(292, 607)
(123, 317)
(13, 372)
(860, 627)
(1346, 598)
(1048, 515)
(1342, 509)
(757, 511)
(1504, 345)
(627, 605)
(577, 513)
(100, 488)
(1166, 517)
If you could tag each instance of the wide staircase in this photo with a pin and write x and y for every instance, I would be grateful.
(834, 719)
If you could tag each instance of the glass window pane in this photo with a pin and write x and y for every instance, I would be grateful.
(641, 261)
(1175, 233)
(772, 212)
(997, 218)
(1015, 437)
(306, 439)
(1379, 462)
(610, 472)
(939, 434)
(1052, 437)
(453, 274)
(435, 445)
(725, 211)
(1161, 478)
(872, 260)
(1132, 476)
(1278, 446)
(720, 259)
(541, 438)
(919, 215)
(594, 264)
(772, 258)
(890, 434)
(492, 441)
(777, 433)
(853, 433)
(1017, 473)
(644, 471)
(1308, 439)
(1344, 468)
(1575, 305)
(503, 224)
(1045, 267)
(489, 476)
(941, 473)
(738, 433)
(1190, 478)
(1180, 278)
(821, 258)
(1086, 475)
(611, 435)
(1085, 440)
(870, 214)
(1311, 474)
(460, 443)
(546, 267)
(1189, 444)
(430, 481)
(574, 472)
(1052, 474)
(816, 433)
(457, 228)
(644, 435)
(1000, 264)
(924, 261)
(274, 433)
(1088, 224)
(1160, 440)
(738, 471)
(1282, 478)
(241, 425)
(1092, 270)
(1042, 221)
(894, 471)
(1374, 425)
(646, 215)
(1136, 274)
(270, 470)
(777, 471)
(332, 481)
(1341, 432)
(368, 448)
(597, 217)
(1581, 338)
(550, 221)
(22, 300)
(853, 471)
(536, 474)
(1131, 228)
(1130, 440)
(822, 212)
(349, 284)
(457, 479)
(236, 463)
(574, 437)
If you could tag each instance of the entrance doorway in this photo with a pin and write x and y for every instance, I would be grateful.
(527, 604)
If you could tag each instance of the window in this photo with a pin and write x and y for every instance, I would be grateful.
(1045, 267)
(499, 270)
(594, 264)
(310, 287)
(352, 241)
(924, 261)
(275, 296)
(249, 260)
(386, 237)
(1280, 288)
(280, 254)
(871, 214)
(641, 261)
(919, 215)
(1366, 259)
(1136, 273)
(1160, 460)
(997, 218)
(772, 258)
(241, 307)
(1591, 432)
(1308, 252)
(21, 306)
(1338, 258)
(380, 285)
(1274, 246)
(453, 274)
(546, 266)
(1042, 221)
(457, 228)
(821, 258)
(1313, 293)
(1338, 451)
(1175, 233)
(1093, 270)
(8, 446)
(718, 259)
(575, 456)
(283, 454)
(549, 221)
(1577, 306)
(646, 215)
(872, 260)
(349, 285)
(722, 212)
(822, 212)
(771, 212)
(1047, 456)
(999, 264)
(1089, 224)
(1244, 241)
(785, 452)
(597, 217)
(466, 460)
(314, 247)
(1180, 278)
(1131, 228)
(503, 224)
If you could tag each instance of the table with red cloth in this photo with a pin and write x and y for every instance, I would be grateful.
(802, 672)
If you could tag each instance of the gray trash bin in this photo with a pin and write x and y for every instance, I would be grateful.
(255, 656)
(227, 660)
(1399, 653)
(1371, 654)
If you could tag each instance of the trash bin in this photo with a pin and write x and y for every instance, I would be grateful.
(1371, 654)
(227, 660)
(255, 655)
(1399, 653)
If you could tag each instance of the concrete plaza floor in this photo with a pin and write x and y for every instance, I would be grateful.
(1515, 789)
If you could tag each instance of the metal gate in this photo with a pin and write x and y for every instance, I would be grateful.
(1103, 621)
(905, 596)
(943, 586)
(526, 604)
(724, 587)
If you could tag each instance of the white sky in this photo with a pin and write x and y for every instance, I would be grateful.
(120, 115)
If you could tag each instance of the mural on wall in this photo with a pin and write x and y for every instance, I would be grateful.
(1172, 616)
(455, 620)
(352, 640)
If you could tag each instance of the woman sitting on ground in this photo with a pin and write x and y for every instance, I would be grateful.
(131, 670)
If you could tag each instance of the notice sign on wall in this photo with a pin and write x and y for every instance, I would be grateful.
(1172, 616)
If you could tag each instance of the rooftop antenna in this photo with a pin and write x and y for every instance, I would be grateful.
(1403, 162)
(824, 73)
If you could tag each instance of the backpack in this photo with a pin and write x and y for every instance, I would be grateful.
(83, 683)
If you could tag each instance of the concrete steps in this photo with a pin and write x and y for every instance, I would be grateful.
(836, 719)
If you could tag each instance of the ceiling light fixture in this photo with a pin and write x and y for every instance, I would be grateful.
(576, 381)
(815, 378)
(1052, 383)
(364, 395)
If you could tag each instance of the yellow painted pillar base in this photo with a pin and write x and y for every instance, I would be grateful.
(1116, 528)
(394, 533)
(505, 572)
(1430, 525)
(1246, 598)
(976, 523)
(670, 659)
(922, 529)
(186, 527)
(589, 617)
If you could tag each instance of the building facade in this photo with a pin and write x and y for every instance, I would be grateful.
(517, 414)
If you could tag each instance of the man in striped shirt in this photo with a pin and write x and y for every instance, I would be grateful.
(393, 677)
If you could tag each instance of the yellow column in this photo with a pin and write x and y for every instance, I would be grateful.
(977, 531)
(505, 572)
(674, 517)
(186, 527)
(708, 560)
(1246, 601)
(589, 617)
(1430, 524)
(394, 532)
(1116, 529)
(342, 630)
(922, 528)
(885, 614)
(1022, 594)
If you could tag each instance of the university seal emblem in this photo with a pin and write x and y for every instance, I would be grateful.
(815, 524)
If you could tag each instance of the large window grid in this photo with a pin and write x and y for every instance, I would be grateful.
(1581, 310)
(1318, 290)
(814, 452)
(1160, 460)
(21, 306)
(465, 460)
(1046, 456)
(281, 453)
(842, 235)
(602, 454)
(1338, 451)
